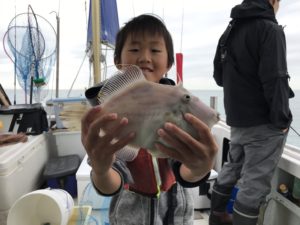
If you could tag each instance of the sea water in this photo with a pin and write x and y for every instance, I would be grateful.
(204, 95)
(293, 136)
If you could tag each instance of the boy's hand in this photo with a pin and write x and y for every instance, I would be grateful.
(101, 148)
(196, 155)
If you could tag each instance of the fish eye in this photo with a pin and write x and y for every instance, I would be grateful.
(186, 98)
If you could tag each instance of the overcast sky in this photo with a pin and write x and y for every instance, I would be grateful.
(201, 21)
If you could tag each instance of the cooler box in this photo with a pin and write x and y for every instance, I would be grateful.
(68, 141)
(83, 177)
(21, 168)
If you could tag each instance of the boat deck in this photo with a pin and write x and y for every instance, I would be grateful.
(201, 217)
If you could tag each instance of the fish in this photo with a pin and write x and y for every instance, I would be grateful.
(148, 106)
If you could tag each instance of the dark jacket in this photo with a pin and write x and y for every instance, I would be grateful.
(253, 71)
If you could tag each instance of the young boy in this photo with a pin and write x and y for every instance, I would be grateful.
(145, 42)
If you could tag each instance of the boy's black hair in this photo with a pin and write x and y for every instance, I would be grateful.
(145, 24)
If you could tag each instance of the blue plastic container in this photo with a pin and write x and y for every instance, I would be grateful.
(60, 173)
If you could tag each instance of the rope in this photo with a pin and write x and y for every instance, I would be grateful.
(295, 131)
(182, 18)
(68, 95)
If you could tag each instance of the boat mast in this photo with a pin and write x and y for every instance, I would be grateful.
(179, 56)
(57, 55)
(15, 64)
(96, 27)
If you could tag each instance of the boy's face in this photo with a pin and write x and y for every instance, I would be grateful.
(149, 53)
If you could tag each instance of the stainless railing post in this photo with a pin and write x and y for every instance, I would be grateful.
(214, 102)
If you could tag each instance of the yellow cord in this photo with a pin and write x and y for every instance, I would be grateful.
(158, 191)
(157, 175)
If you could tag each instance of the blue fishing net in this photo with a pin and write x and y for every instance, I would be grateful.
(30, 42)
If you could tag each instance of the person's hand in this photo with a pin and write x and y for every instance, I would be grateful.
(196, 155)
(101, 148)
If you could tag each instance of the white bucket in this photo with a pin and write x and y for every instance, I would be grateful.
(42, 207)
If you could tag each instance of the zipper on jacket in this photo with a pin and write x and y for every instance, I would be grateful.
(152, 210)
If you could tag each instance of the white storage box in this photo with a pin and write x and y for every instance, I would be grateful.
(68, 143)
(83, 177)
(21, 168)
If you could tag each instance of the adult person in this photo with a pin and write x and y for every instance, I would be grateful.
(250, 64)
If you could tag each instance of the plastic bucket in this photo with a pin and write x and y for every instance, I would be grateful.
(42, 207)
(92, 198)
(97, 202)
(80, 215)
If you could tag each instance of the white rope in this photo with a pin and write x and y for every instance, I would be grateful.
(182, 18)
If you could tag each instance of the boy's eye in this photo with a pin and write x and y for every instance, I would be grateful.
(133, 49)
(156, 50)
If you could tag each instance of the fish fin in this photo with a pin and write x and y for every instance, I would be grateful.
(119, 81)
(180, 84)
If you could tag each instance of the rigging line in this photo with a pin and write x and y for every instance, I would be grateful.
(104, 62)
(133, 8)
(57, 52)
(152, 6)
(86, 15)
(68, 95)
(15, 64)
(295, 131)
(182, 18)
(36, 61)
(52, 88)
(163, 10)
(90, 74)
(58, 8)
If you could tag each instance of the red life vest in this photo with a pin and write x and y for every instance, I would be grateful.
(143, 174)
